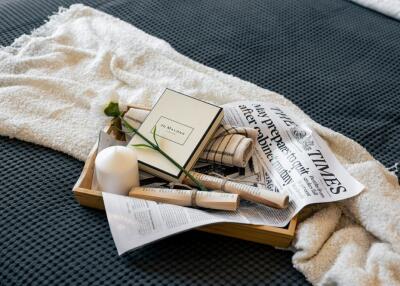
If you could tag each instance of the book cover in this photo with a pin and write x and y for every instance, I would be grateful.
(183, 127)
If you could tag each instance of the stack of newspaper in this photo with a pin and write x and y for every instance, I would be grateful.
(290, 158)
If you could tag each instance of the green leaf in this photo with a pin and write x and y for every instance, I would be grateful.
(142, 146)
(154, 135)
(112, 109)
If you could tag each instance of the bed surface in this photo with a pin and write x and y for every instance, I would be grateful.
(339, 62)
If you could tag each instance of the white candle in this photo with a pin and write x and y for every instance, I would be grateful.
(117, 170)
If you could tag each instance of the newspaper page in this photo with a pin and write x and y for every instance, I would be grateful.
(290, 158)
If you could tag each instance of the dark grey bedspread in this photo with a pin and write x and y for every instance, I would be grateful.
(339, 62)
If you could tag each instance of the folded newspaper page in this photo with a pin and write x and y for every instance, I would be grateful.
(290, 158)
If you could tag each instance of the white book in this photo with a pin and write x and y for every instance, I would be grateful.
(183, 125)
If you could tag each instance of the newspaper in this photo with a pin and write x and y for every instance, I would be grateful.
(290, 158)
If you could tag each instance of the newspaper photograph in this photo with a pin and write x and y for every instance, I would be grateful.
(290, 158)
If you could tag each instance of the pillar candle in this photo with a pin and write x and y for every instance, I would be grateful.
(117, 169)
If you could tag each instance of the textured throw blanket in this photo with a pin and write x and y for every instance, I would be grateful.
(55, 82)
(390, 8)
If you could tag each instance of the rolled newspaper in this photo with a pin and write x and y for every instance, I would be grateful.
(250, 193)
(210, 200)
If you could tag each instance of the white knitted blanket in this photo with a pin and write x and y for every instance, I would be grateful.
(390, 8)
(55, 82)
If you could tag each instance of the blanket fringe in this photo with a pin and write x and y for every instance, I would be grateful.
(45, 29)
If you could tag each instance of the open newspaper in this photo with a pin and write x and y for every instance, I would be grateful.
(290, 158)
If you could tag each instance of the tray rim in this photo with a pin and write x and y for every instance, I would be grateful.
(276, 236)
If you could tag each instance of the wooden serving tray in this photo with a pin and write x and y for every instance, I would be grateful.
(275, 236)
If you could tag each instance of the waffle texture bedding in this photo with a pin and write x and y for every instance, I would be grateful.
(302, 260)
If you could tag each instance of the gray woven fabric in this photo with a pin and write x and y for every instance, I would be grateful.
(339, 62)
(46, 238)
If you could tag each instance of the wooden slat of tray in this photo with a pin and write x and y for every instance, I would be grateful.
(279, 237)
